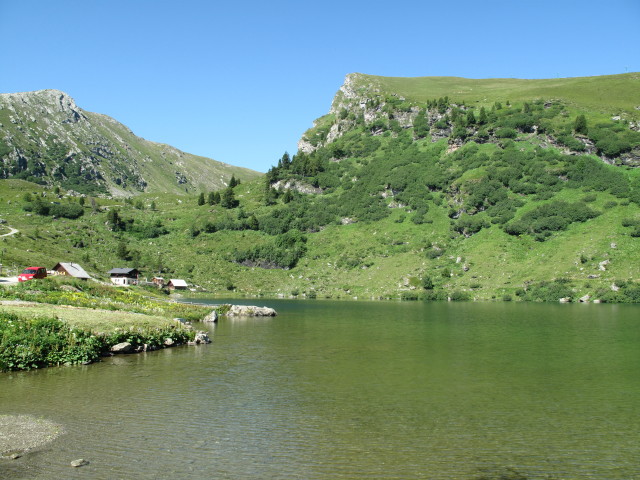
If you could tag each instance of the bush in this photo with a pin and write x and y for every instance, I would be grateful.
(571, 143)
(283, 252)
(551, 217)
(70, 210)
(40, 342)
(548, 291)
(506, 132)
(427, 283)
(458, 296)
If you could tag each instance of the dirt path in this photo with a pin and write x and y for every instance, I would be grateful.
(13, 231)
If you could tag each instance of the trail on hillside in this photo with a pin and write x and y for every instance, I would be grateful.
(13, 231)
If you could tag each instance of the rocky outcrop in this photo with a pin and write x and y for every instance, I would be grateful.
(124, 347)
(250, 311)
(201, 338)
(297, 186)
(212, 317)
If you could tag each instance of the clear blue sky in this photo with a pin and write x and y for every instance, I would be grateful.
(241, 81)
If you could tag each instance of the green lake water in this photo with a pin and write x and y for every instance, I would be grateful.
(355, 390)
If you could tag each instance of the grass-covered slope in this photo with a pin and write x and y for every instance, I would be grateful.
(605, 94)
(401, 191)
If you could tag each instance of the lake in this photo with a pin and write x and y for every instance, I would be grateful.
(355, 390)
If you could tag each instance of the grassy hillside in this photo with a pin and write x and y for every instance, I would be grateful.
(408, 188)
(605, 94)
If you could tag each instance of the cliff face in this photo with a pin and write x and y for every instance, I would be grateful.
(360, 100)
(45, 137)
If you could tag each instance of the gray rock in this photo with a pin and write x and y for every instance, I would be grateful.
(124, 347)
(81, 462)
(250, 311)
(212, 317)
(202, 337)
(168, 342)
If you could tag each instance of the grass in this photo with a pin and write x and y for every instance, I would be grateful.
(95, 320)
(602, 93)
(359, 260)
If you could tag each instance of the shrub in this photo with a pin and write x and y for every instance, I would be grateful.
(41, 342)
(458, 296)
(427, 283)
(548, 291)
(64, 210)
(551, 217)
(506, 132)
(580, 125)
(571, 143)
(283, 252)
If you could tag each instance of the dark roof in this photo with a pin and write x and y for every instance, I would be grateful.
(122, 271)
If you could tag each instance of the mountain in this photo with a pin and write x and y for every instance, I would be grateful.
(46, 138)
(429, 188)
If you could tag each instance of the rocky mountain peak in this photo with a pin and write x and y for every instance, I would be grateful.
(44, 102)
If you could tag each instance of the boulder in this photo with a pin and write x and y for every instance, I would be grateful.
(81, 462)
(169, 342)
(250, 311)
(585, 299)
(124, 347)
(202, 337)
(565, 300)
(212, 317)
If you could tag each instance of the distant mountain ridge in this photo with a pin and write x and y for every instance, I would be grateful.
(46, 138)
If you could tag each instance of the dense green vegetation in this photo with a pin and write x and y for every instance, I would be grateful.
(457, 196)
(35, 337)
(28, 342)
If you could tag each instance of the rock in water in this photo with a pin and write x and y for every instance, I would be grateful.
(212, 317)
(124, 347)
(202, 337)
(250, 311)
(81, 462)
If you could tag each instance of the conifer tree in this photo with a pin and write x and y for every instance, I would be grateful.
(580, 125)
(228, 199)
(471, 118)
(482, 118)
(201, 199)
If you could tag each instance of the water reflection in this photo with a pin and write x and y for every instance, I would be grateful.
(353, 390)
